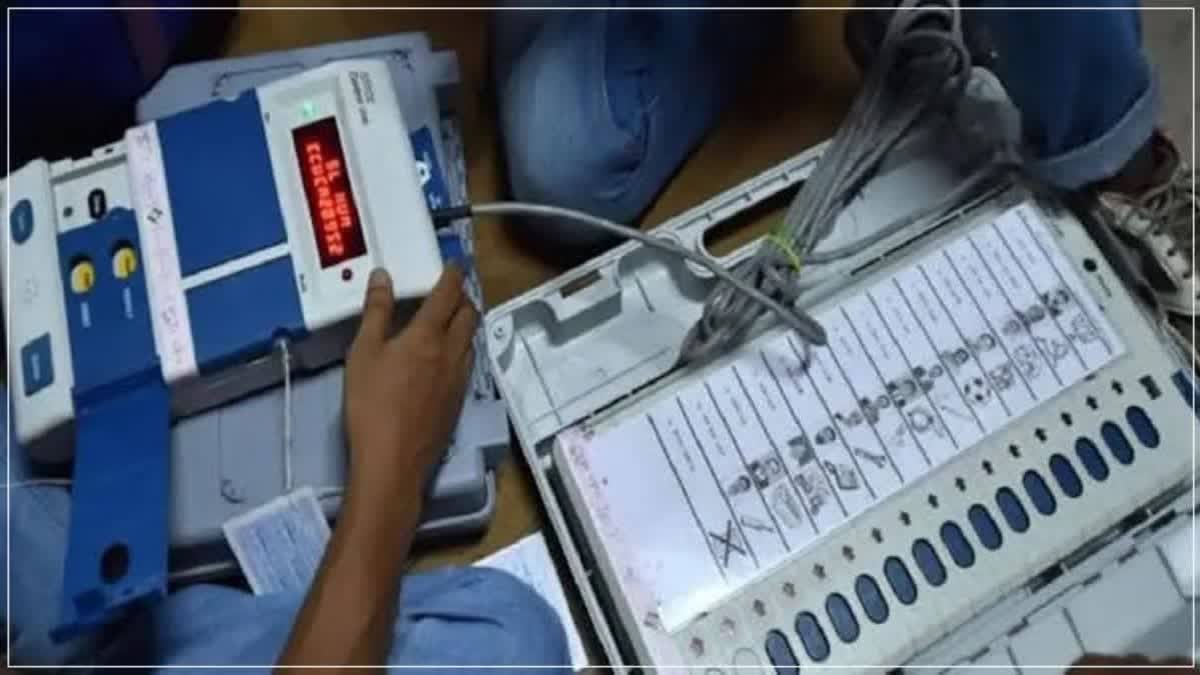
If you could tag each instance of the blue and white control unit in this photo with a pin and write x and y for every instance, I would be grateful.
(155, 278)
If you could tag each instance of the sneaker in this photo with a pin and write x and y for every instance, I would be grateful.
(1158, 221)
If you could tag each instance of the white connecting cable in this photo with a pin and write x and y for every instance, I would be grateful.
(285, 357)
(922, 69)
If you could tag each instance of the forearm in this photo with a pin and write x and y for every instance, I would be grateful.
(348, 614)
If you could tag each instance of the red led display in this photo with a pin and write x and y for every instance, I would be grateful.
(335, 222)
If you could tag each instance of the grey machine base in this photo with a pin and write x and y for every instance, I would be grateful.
(227, 461)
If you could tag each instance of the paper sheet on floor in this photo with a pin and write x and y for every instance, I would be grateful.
(755, 461)
(529, 560)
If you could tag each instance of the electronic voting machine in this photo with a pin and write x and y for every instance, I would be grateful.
(990, 463)
(157, 277)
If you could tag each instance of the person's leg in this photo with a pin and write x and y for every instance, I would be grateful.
(1088, 99)
(454, 617)
(1089, 104)
(598, 109)
(35, 517)
(477, 616)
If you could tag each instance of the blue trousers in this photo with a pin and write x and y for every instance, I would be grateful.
(460, 617)
(599, 109)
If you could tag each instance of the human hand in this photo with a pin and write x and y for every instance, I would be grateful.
(403, 393)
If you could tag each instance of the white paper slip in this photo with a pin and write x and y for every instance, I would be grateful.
(749, 464)
(279, 544)
(529, 560)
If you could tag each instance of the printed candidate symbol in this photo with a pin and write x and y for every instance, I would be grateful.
(764, 471)
(1026, 359)
(924, 378)
(843, 474)
(956, 358)
(1034, 314)
(898, 438)
(984, 343)
(1002, 377)
(726, 544)
(1082, 329)
(951, 410)
(739, 485)
(1012, 327)
(977, 391)
(1055, 349)
(902, 391)
(869, 412)
(785, 506)
(873, 457)
(755, 523)
(854, 419)
(1056, 300)
(826, 436)
(802, 450)
(920, 419)
(813, 488)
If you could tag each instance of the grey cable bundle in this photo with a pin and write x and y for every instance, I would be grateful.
(923, 67)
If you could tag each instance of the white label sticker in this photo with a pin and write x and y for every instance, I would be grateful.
(279, 544)
(160, 253)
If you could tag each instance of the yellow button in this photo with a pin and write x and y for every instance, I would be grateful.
(83, 276)
(125, 262)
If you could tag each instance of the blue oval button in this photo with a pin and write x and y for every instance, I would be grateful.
(842, 617)
(20, 221)
(1115, 439)
(1012, 510)
(812, 637)
(1039, 493)
(1093, 461)
(928, 562)
(985, 527)
(1143, 427)
(871, 599)
(1064, 474)
(781, 655)
(900, 580)
(960, 549)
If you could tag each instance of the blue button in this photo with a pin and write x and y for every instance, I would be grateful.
(20, 221)
(1143, 427)
(812, 637)
(985, 527)
(1093, 461)
(900, 580)
(871, 598)
(37, 365)
(1115, 439)
(1064, 474)
(960, 549)
(781, 655)
(842, 617)
(1012, 510)
(928, 562)
(1185, 385)
(1039, 493)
